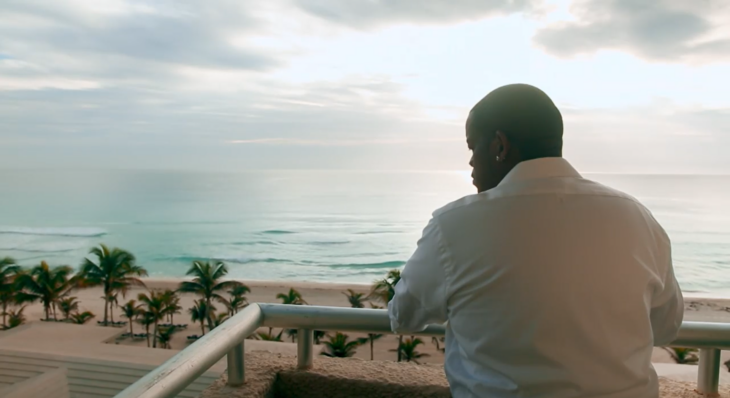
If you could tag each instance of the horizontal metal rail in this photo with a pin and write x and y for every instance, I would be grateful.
(172, 377)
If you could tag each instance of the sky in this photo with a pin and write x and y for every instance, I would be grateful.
(233, 85)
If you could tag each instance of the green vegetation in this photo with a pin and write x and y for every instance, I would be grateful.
(338, 346)
(115, 270)
(237, 299)
(81, 318)
(268, 336)
(45, 284)
(8, 271)
(68, 305)
(683, 356)
(155, 310)
(293, 297)
(383, 290)
(199, 313)
(131, 310)
(407, 350)
(208, 285)
(355, 299)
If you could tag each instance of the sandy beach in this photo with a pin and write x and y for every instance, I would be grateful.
(327, 294)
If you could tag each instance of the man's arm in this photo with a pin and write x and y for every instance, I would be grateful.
(421, 294)
(667, 309)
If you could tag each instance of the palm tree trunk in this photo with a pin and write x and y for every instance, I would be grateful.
(106, 305)
(147, 331)
(154, 338)
(131, 328)
(400, 343)
(207, 315)
(47, 310)
(111, 311)
(372, 347)
(202, 326)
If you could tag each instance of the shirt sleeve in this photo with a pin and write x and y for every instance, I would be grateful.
(667, 310)
(421, 294)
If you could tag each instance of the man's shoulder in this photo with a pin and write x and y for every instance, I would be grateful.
(461, 203)
(579, 186)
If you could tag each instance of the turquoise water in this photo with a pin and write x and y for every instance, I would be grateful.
(304, 225)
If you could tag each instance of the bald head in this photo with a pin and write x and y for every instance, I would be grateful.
(513, 123)
(526, 115)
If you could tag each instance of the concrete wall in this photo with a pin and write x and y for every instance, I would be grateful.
(87, 378)
(270, 375)
(51, 384)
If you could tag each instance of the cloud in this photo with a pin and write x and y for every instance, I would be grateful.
(114, 39)
(658, 138)
(290, 141)
(364, 14)
(663, 30)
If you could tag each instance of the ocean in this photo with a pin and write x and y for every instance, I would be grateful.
(330, 226)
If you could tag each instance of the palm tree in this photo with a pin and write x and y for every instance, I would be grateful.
(68, 305)
(337, 346)
(370, 339)
(113, 301)
(355, 299)
(374, 336)
(8, 270)
(15, 318)
(408, 350)
(218, 319)
(268, 336)
(165, 335)
(237, 299)
(172, 304)
(383, 290)
(291, 298)
(206, 283)
(131, 310)
(683, 356)
(155, 303)
(292, 333)
(116, 270)
(82, 318)
(319, 335)
(199, 313)
(146, 319)
(437, 341)
(45, 284)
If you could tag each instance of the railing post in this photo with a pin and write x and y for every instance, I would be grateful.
(305, 348)
(236, 366)
(708, 376)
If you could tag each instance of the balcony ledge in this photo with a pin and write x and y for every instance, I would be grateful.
(272, 375)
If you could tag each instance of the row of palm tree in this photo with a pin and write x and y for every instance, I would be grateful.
(339, 344)
(48, 285)
(116, 271)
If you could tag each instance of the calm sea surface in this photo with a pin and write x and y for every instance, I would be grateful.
(305, 226)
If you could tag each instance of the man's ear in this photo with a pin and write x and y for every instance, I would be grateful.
(503, 148)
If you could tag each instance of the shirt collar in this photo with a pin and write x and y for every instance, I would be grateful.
(540, 168)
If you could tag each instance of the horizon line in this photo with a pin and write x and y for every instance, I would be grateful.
(333, 170)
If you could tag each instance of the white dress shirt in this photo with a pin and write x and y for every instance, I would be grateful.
(552, 286)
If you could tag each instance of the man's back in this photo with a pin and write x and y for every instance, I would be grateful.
(553, 286)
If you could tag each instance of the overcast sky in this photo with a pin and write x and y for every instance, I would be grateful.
(644, 86)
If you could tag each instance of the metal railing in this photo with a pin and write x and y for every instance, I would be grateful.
(172, 377)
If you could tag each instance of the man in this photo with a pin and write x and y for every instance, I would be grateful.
(552, 285)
